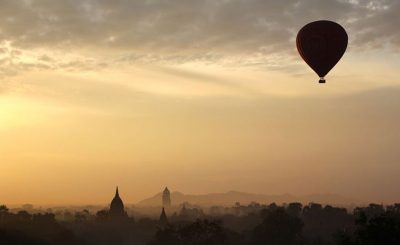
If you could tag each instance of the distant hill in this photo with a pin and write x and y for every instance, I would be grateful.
(231, 197)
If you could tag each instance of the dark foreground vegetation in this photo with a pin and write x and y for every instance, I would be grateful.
(254, 224)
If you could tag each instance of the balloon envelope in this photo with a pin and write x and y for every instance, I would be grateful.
(321, 44)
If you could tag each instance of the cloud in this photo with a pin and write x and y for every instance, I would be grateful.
(188, 25)
(221, 31)
(379, 26)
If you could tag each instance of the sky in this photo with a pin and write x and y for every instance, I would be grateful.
(198, 95)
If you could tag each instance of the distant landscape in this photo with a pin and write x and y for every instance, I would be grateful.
(231, 197)
(231, 218)
(199, 122)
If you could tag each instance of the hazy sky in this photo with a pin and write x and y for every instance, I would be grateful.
(200, 95)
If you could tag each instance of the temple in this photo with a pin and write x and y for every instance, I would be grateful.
(163, 221)
(117, 209)
(166, 198)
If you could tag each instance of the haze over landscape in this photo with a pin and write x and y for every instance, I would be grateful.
(203, 96)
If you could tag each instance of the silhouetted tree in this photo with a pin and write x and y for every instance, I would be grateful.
(102, 215)
(379, 229)
(166, 236)
(24, 217)
(278, 228)
(3, 213)
(201, 232)
(15, 237)
(294, 209)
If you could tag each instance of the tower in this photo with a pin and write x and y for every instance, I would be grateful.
(163, 219)
(117, 206)
(166, 198)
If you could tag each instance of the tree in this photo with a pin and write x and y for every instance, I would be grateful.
(278, 228)
(378, 230)
(102, 215)
(3, 213)
(24, 216)
(3, 209)
(201, 232)
(166, 236)
(294, 209)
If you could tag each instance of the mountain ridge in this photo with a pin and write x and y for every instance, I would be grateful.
(229, 198)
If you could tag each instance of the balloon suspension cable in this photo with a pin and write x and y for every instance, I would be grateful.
(322, 80)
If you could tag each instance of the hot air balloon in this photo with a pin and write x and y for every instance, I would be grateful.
(321, 44)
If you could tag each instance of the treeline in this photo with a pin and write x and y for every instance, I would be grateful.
(40, 228)
(291, 224)
(255, 224)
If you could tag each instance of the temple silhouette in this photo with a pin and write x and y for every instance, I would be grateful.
(166, 198)
(166, 203)
(163, 221)
(117, 209)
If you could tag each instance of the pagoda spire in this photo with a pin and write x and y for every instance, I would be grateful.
(117, 206)
(166, 198)
(163, 221)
